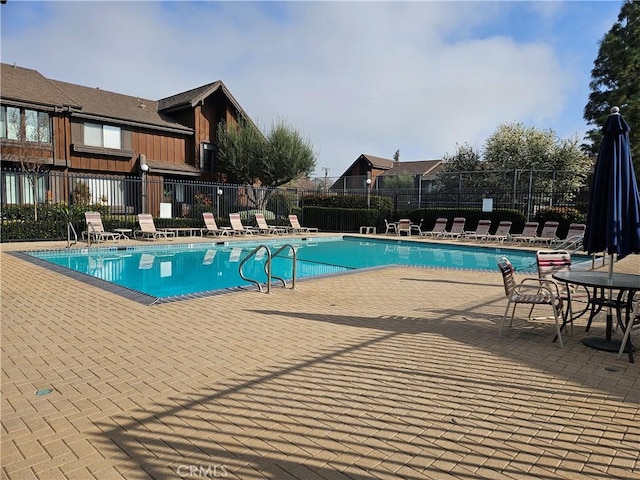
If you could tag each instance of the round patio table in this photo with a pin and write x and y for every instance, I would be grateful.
(601, 282)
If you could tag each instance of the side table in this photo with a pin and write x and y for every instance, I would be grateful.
(124, 232)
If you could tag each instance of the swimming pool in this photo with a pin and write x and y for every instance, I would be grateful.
(168, 271)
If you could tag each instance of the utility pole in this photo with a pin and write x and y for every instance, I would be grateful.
(326, 174)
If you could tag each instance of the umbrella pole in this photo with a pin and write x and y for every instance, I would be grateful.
(609, 324)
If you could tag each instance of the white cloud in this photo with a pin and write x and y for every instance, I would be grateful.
(353, 77)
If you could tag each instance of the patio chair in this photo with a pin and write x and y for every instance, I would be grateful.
(238, 228)
(548, 233)
(439, 227)
(551, 261)
(529, 233)
(148, 228)
(481, 230)
(416, 228)
(530, 291)
(404, 225)
(633, 324)
(95, 230)
(297, 228)
(390, 227)
(211, 227)
(501, 233)
(264, 227)
(457, 228)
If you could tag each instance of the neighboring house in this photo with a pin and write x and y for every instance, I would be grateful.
(378, 168)
(72, 128)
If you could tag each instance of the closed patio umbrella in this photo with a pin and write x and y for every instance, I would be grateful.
(613, 217)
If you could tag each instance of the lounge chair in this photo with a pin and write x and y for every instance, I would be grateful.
(264, 227)
(529, 233)
(148, 228)
(211, 227)
(390, 227)
(238, 228)
(95, 230)
(530, 291)
(501, 233)
(548, 233)
(481, 231)
(297, 228)
(439, 227)
(574, 237)
(457, 228)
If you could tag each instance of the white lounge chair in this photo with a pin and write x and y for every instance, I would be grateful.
(148, 228)
(95, 230)
(481, 231)
(457, 229)
(439, 227)
(528, 235)
(297, 228)
(264, 227)
(238, 228)
(211, 227)
(501, 233)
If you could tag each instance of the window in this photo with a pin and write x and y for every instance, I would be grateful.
(208, 157)
(24, 124)
(106, 136)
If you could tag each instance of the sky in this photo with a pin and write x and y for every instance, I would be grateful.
(352, 77)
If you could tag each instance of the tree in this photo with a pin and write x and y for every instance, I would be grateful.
(614, 79)
(559, 163)
(29, 144)
(240, 146)
(462, 170)
(399, 182)
(249, 158)
(287, 156)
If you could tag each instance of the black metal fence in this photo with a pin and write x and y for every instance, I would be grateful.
(174, 199)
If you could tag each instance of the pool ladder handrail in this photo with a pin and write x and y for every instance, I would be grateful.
(70, 229)
(267, 267)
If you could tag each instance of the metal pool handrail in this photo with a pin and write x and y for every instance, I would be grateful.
(267, 267)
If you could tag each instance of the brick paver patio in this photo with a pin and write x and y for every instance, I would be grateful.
(395, 373)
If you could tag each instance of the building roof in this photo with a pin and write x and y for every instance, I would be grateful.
(191, 98)
(118, 107)
(157, 166)
(378, 162)
(20, 85)
(418, 167)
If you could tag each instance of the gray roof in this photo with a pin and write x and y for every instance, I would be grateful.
(116, 106)
(189, 98)
(418, 167)
(22, 85)
(378, 162)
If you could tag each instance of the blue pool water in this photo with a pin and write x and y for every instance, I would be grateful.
(164, 271)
